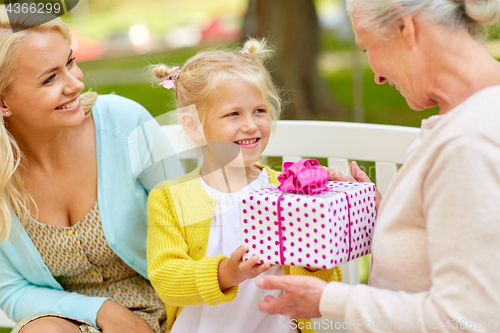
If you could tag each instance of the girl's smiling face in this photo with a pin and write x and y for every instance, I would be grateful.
(239, 114)
(45, 92)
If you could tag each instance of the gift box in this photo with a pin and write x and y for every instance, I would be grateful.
(322, 229)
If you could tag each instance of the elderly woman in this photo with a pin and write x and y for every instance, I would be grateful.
(72, 199)
(436, 248)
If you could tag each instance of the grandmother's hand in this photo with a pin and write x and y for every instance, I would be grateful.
(300, 298)
(115, 318)
(359, 176)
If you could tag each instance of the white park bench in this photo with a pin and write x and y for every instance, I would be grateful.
(338, 143)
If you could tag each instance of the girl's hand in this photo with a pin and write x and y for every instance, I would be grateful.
(359, 176)
(234, 270)
(115, 318)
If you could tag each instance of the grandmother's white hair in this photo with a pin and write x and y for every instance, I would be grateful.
(472, 15)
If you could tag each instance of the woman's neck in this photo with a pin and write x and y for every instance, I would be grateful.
(46, 148)
(464, 67)
(228, 179)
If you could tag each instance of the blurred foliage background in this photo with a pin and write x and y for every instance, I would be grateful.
(115, 40)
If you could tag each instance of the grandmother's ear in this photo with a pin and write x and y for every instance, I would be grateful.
(406, 30)
(192, 126)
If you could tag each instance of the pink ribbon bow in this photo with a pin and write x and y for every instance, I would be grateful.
(304, 177)
(169, 81)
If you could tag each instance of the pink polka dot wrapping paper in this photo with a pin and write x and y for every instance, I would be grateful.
(315, 229)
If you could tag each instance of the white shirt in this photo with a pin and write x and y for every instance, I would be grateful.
(241, 315)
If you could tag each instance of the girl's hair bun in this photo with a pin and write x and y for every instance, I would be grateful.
(257, 48)
(160, 71)
(483, 12)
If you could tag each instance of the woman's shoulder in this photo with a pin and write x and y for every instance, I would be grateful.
(114, 110)
(485, 99)
(478, 115)
(183, 183)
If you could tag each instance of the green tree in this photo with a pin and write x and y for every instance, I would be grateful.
(292, 27)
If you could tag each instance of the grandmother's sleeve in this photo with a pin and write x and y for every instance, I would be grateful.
(462, 210)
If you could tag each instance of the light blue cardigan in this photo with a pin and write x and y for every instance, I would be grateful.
(123, 151)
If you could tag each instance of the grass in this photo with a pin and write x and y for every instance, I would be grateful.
(5, 330)
(177, 57)
(158, 100)
(364, 268)
(383, 104)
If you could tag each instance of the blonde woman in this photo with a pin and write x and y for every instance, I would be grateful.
(435, 247)
(72, 213)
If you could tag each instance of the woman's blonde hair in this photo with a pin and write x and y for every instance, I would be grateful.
(13, 195)
(207, 70)
(472, 15)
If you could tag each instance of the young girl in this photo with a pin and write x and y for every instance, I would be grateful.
(194, 253)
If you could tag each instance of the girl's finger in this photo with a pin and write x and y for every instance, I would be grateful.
(239, 252)
(262, 268)
(249, 264)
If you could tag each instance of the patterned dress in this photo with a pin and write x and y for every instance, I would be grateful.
(81, 261)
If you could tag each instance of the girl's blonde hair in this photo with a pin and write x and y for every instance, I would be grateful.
(204, 72)
(472, 15)
(13, 195)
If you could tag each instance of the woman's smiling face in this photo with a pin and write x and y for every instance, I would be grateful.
(45, 91)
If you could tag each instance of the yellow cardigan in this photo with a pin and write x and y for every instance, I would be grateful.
(180, 213)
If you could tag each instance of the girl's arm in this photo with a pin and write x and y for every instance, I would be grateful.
(177, 277)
